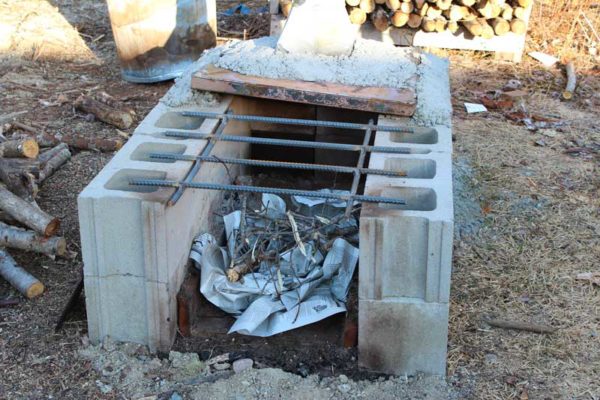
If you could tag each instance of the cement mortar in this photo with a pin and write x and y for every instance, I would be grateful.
(372, 63)
(181, 93)
(433, 103)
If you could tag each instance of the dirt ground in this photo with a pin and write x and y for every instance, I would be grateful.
(527, 215)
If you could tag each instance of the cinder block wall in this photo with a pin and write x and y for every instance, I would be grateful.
(135, 248)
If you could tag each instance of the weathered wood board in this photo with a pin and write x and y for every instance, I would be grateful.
(380, 100)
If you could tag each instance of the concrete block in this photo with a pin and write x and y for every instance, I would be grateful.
(163, 117)
(406, 251)
(135, 247)
(403, 336)
(406, 255)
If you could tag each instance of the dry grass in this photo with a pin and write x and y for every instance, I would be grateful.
(568, 29)
(541, 228)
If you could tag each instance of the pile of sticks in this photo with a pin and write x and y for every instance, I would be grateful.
(22, 170)
(23, 225)
(483, 18)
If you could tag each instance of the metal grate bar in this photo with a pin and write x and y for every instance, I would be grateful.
(196, 166)
(360, 164)
(303, 122)
(276, 164)
(291, 143)
(259, 189)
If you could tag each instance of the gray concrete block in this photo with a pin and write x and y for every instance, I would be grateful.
(403, 337)
(135, 247)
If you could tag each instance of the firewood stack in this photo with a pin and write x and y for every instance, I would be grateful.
(482, 18)
(22, 169)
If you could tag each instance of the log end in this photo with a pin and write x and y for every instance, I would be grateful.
(52, 227)
(233, 275)
(36, 289)
(61, 247)
(30, 148)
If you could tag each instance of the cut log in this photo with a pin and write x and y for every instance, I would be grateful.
(443, 4)
(79, 142)
(357, 16)
(27, 148)
(367, 6)
(420, 3)
(433, 12)
(456, 13)
(452, 26)
(501, 26)
(518, 26)
(105, 113)
(54, 163)
(487, 31)
(567, 94)
(22, 239)
(393, 5)
(380, 19)
(519, 12)
(406, 7)
(485, 8)
(428, 24)
(399, 19)
(440, 24)
(473, 26)
(107, 99)
(20, 279)
(48, 154)
(20, 182)
(507, 12)
(414, 20)
(27, 214)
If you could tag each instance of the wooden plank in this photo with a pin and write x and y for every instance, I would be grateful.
(380, 100)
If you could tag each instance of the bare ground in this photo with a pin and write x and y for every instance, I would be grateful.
(529, 222)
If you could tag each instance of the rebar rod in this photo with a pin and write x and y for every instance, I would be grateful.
(196, 165)
(359, 164)
(302, 122)
(289, 142)
(270, 190)
(277, 164)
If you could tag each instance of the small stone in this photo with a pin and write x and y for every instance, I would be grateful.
(343, 378)
(242, 365)
(221, 366)
(104, 388)
(344, 388)
(176, 396)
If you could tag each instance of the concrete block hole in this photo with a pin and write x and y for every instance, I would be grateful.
(417, 199)
(120, 180)
(143, 151)
(174, 120)
(414, 168)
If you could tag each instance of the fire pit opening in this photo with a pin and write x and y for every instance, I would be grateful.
(204, 327)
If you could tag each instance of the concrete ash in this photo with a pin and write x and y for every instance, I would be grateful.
(181, 93)
(371, 63)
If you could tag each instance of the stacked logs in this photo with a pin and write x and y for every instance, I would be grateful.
(27, 227)
(483, 18)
